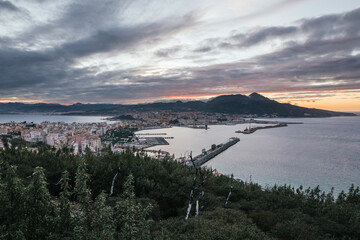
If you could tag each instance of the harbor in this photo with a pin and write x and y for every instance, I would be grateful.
(260, 156)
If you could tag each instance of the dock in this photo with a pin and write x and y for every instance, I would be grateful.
(206, 155)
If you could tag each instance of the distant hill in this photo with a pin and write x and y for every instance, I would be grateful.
(254, 104)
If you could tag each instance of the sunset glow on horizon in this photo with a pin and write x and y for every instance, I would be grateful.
(340, 103)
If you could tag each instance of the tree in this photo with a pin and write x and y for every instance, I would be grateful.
(83, 196)
(65, 219)
(40, 211)
(102, 224)
(12, 222)
(132, 217)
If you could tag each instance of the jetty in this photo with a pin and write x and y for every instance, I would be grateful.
(252, 130)
(200, 126)
(147, 134)
(206, 155)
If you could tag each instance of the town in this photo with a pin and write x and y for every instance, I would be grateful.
(117, 133)
(75, 136)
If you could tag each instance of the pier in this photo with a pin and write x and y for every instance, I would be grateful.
(146, 134)
(252, 130)
(206, 155)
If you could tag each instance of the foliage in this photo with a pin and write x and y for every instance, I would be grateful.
(119, 134)
(131, 217)
(174, 122)
(53, 194)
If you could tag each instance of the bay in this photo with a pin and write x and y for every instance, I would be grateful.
(37, 118)
(322, 151)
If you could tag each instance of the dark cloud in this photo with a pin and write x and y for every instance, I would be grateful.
(124, 38)
(168, 52)
(29, 69)
(332, 26)
(329, 27)
(323, 60)
(38, 72)
(256, 37)
(325, 57)
(203, 49)
(8, 6)
(78, 20)
(249, 39)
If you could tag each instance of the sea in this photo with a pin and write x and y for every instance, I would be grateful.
(37, 118)
(321, 151)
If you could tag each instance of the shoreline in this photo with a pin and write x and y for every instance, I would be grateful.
(272, 157)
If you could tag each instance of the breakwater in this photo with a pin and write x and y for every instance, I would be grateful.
(206, 155)
(252, 130)
(147, 134)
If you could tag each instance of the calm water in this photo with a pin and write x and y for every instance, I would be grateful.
(323, 152)
(36, 118)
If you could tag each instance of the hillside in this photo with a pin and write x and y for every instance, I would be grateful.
(150, 198)
(231, 104)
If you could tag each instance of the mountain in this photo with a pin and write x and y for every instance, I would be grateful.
(260, 105)
(257, 97)
(254, 104)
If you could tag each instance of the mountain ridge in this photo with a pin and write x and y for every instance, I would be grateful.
(254, 104)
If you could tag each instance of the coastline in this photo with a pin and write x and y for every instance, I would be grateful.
(305, 154)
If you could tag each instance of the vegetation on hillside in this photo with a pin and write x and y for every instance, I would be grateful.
(53, 194)
(119, 135)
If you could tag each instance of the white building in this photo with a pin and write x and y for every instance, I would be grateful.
(3, 130)
(1, 144)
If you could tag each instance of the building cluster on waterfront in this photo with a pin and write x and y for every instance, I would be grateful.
(95, 136)
(80, 136)
(143, 120)
(76, 136)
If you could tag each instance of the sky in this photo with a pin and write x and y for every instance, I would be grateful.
(303, 52)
